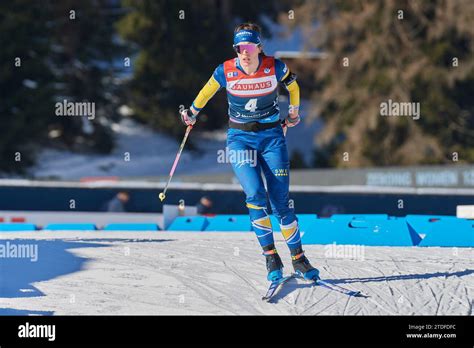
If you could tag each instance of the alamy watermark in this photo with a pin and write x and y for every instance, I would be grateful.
(68, 108)
(393, 108)
(353, 252)
(28, 330)
(19, 251)
(237, 157)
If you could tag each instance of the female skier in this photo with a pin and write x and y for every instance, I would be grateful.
(251, 81)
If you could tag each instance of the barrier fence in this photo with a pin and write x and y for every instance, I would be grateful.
(343, 229)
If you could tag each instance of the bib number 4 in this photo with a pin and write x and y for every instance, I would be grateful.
(251, 105)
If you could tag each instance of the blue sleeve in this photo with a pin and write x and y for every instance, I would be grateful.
(219, 75)
(280, 69)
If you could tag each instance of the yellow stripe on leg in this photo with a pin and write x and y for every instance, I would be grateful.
(254, 206)
(288, 231)
(264, 222)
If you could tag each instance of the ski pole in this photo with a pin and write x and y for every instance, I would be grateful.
(162, 195)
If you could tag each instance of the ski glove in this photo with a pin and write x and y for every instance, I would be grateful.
(187, 117)
(292, 121)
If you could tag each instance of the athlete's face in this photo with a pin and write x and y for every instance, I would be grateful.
(248, 53)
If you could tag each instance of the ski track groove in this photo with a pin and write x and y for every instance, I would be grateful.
(190, 284)
(387, 283)
(313, 289)
(203, 294)
(470, 302)
(241, 277)
(249, 284)
(328, 306)
(345, 306)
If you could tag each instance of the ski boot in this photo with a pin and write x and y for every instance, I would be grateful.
(273, 262)
(302, 266)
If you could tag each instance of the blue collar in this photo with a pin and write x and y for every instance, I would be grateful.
(240, 68)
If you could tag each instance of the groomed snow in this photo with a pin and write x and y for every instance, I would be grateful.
(90, 273)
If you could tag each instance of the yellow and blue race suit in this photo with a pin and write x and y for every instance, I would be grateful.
(254, 98)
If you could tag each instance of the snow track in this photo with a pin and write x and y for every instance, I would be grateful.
(82, 273)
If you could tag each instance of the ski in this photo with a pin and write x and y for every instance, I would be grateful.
(338, 288)
(275, 287)
(334, 287)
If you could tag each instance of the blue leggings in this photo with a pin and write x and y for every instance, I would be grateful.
(264, 151)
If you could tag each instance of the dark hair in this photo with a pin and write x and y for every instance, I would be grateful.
(250, 26)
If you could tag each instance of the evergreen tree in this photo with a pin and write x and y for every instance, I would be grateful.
(52, 51)
(25, 82)
(181, 43)
(87, 59)
(404, 51)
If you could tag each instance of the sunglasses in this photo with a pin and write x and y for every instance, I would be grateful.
(250, 48)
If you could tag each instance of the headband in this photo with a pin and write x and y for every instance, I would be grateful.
(246, 35)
